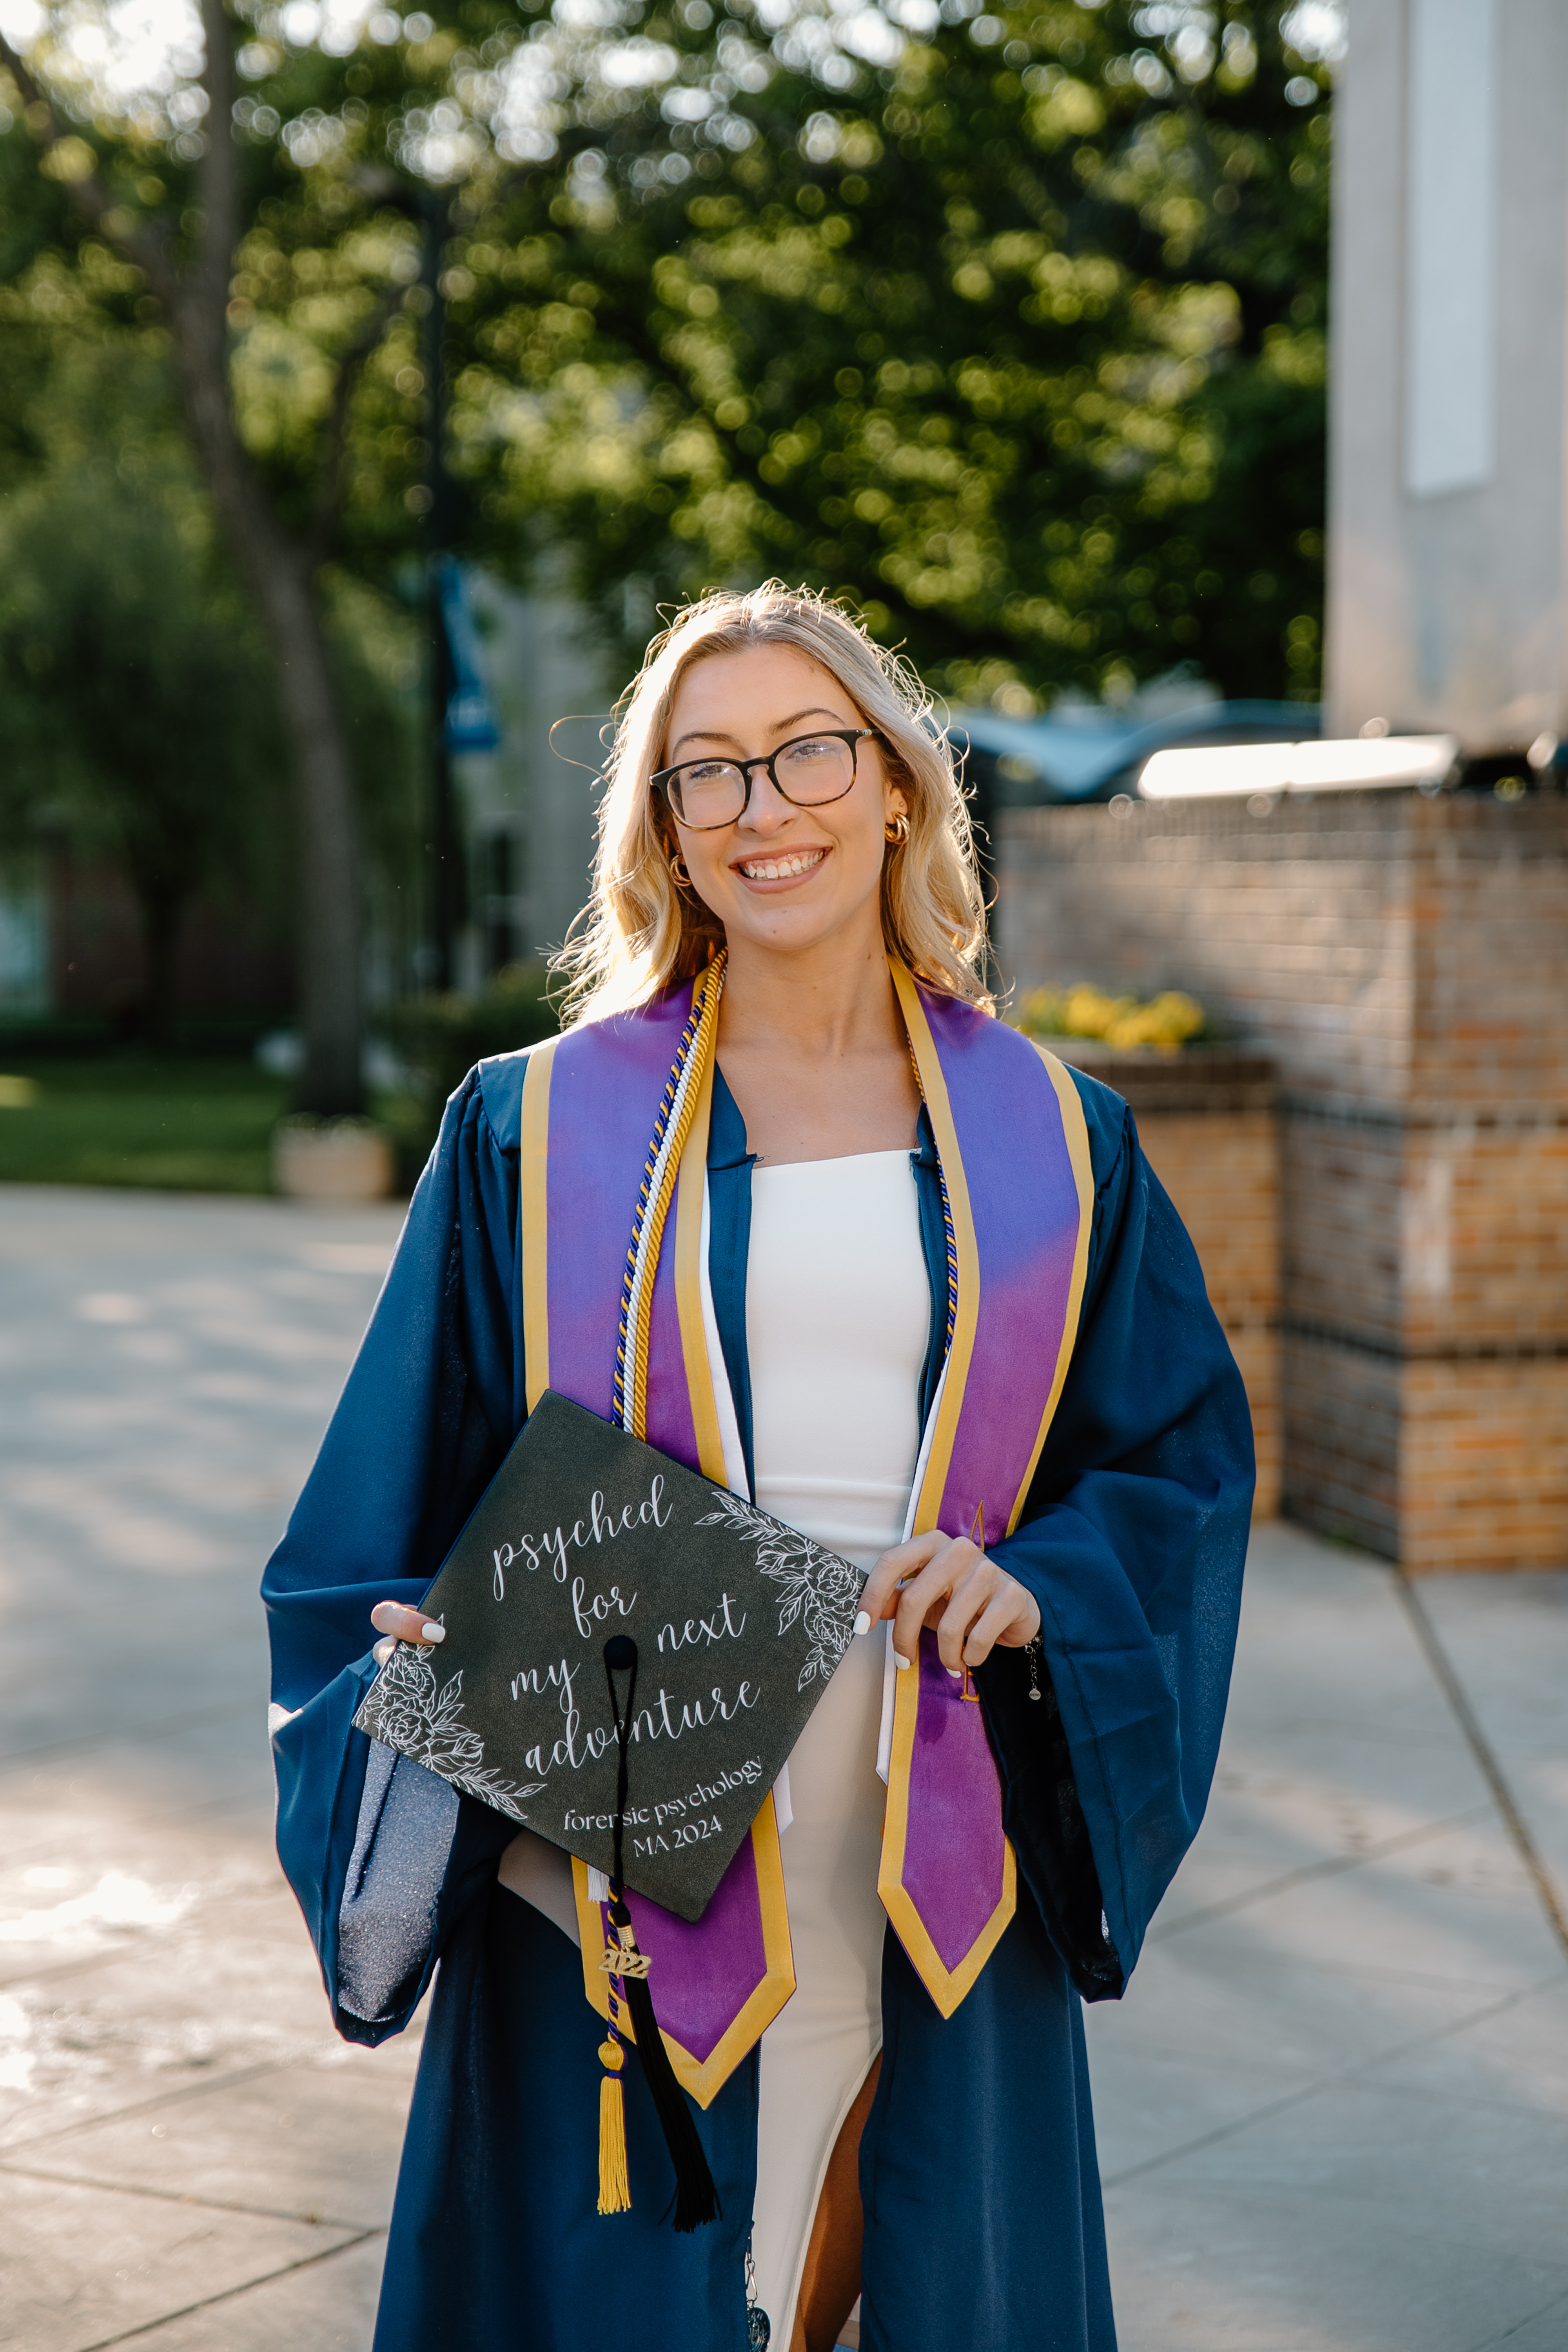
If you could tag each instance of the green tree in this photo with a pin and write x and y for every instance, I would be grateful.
(121, 197)
(1009, 322)
(1017, 334)
(135, 700)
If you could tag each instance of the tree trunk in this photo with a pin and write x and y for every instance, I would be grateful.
(280, 573)
(281, 577)
(328, 916)
(328, 920)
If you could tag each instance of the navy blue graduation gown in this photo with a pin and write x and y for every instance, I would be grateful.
(978, 2175)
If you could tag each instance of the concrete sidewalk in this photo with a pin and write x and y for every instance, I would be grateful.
(1333, 2108)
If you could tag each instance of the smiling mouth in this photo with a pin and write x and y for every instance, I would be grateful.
(780, 869)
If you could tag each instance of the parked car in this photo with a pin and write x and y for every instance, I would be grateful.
(1094, 751)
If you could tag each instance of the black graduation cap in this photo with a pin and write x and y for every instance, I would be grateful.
(739, 1621)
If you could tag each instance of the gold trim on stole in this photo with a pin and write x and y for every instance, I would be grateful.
(704, 2078)
(691, 1192)
(533, 1217)
(948, 1987)
(1075, 1129)
(966, 1323)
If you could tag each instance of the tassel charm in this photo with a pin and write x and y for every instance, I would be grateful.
(614, 2190)
(696, 2200)
(622, 1958)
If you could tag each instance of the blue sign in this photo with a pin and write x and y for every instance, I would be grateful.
(471, 724)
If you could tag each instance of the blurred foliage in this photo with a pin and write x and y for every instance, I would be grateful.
(1009, 324)
(135, 700)
(1019, 340)
(378, 653)
(1169, 1021)
(440, 1037)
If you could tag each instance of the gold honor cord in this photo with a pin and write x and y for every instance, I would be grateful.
(626, 1968)
(676, 1110)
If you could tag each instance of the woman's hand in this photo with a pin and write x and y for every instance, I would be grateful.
(400, 1624)
(948, 1583)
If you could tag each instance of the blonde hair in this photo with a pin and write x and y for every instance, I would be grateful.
(640, 933)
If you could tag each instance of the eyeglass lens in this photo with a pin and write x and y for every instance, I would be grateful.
(711, 792)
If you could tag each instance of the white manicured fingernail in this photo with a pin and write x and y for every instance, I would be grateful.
(432, 1632)
(956, 1674)
(902, 1664)
(862, 1624)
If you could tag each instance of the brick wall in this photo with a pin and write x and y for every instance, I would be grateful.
(1484, 1461)
(1293, 927)
(1208, 1123)
(1407, 961)
(1341, 1409)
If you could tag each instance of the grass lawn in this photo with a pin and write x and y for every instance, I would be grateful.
(172, 1124)
(179, 1126)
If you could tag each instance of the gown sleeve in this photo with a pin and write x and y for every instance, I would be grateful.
(1132, 1539)
(381, 1857)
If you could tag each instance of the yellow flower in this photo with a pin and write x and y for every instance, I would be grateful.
(1084, 1010)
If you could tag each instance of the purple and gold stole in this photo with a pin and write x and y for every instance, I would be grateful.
(1017, 1192)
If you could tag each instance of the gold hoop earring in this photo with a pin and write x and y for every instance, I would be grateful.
(677, 868)
(897, 830)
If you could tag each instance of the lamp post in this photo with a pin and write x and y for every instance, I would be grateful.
(442, 848)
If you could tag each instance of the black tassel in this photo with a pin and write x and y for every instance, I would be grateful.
(695, 2201)
(696, 2198)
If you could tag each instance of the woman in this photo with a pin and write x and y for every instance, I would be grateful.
(918, 1293)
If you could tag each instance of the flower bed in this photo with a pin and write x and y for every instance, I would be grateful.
(1166, 1022)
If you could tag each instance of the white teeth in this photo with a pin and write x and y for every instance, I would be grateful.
(778, 867)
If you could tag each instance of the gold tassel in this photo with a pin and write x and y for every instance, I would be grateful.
(615, 2190)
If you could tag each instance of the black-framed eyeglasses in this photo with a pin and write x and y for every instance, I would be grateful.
(809, 771)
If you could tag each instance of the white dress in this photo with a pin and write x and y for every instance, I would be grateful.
(837, 1324)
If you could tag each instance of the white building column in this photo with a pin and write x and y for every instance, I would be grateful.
(1447, 588)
